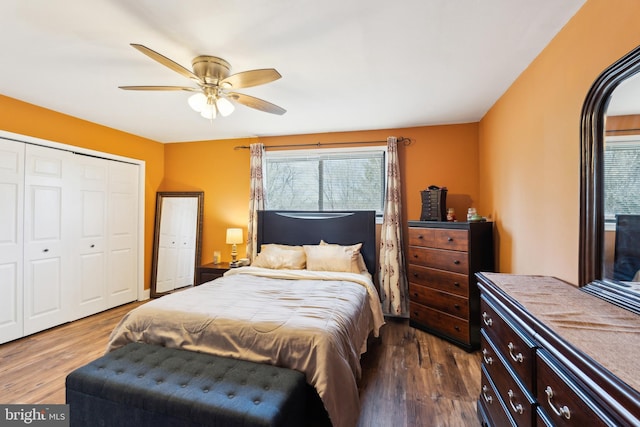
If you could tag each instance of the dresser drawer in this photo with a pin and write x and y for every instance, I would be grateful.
(443, 301)
(517, 350)
(560, 399)
(436, 320)
(454, 283)
(455, 240)
(542, 420)
(492, 404)
(520, 403)
(438, 258)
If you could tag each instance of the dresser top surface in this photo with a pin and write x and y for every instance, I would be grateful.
(449, 224)
(607, 333)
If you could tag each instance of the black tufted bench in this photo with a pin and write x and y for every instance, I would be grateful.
(146, 385)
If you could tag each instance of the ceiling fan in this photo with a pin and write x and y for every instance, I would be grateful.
(215, 84)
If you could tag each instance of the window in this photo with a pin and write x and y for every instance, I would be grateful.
(326, 179)
(621, 177)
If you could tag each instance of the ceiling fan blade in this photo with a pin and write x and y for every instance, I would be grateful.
(256, 103)
(163, 88)
(251, 78)
(166, 62)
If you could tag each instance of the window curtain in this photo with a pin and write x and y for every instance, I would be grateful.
(256, 197)
(394, 289)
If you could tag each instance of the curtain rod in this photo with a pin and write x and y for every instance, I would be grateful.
(405, 141)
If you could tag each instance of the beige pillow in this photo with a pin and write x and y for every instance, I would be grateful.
(280, 257)
(327, 257)
(358, 265)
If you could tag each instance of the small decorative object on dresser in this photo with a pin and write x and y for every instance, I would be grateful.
(211, 271)
(443, 258)
(555, 356)
(434, 204)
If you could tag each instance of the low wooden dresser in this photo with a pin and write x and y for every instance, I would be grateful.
(442, 260)
(555, 356)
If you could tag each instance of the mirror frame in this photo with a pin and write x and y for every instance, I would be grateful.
(160, 195)
(592, 135)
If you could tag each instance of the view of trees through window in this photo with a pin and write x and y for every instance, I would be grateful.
(325, 181)
(621, 178)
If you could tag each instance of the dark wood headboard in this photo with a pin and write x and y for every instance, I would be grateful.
(308, 228)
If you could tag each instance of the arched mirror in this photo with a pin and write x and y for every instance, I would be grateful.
(610, 185)
(177, 241)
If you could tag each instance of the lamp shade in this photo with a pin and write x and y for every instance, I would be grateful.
(208, 111)
(225, 107)
(234, 236)
(197, 101)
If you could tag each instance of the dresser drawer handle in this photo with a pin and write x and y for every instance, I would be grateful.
(516, 357)
(457, 328)
(518, 408)
(415, 294)
(488, 360)
(486, 319)
(420, 236)
(449, 239)
(416, 275)
(456, 306)
(456, 284)
(456, 262)
(487, 399)
(561, 412)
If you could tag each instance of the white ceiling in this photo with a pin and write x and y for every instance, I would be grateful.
(346, 64)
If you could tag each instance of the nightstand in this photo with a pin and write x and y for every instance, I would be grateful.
(208, 272)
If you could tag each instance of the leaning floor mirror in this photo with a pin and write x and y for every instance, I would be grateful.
(176, 241)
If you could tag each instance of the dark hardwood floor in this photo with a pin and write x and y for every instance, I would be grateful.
(409, 377)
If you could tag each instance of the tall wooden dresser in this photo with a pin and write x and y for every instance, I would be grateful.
(443, 258)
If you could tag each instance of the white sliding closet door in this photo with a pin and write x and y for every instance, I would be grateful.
(69, 236)
(91, 245)
(122, 232)
(48, 212)
(11, 247)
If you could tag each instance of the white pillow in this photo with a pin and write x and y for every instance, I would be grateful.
(359, 265)
(280, 257)
(327, 258)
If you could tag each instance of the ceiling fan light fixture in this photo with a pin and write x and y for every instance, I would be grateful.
(197, 101)
(212, 75)
(209, 111)
(225, 107)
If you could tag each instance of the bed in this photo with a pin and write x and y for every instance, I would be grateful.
(307, 317)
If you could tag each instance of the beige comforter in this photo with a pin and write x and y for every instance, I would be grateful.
(313, 322)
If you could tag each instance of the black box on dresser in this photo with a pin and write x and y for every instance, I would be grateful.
(442, 260)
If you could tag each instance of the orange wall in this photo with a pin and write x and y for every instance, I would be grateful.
(440, 155)
(27, 119)
(529, 142)
(223, 174)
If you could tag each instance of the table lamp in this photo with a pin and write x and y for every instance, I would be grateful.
(234, 236)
